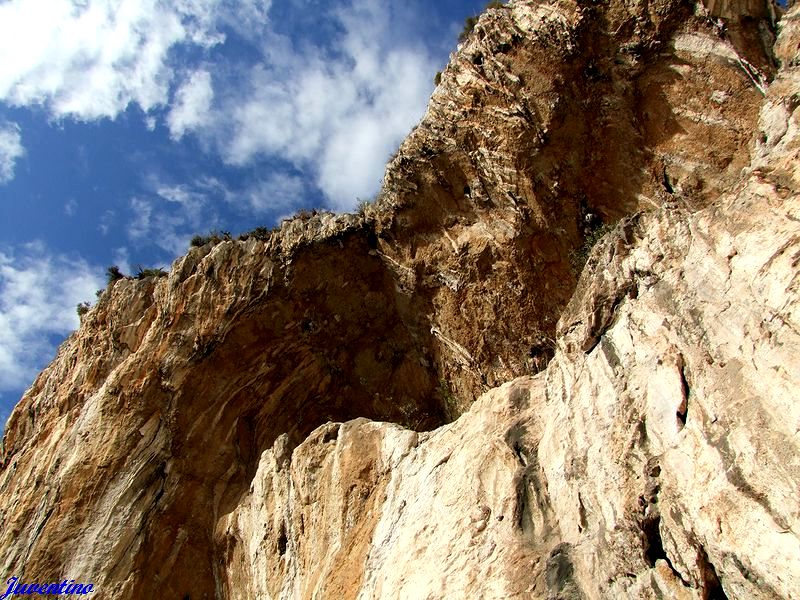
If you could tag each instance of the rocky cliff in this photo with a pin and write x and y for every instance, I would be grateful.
(424, 400)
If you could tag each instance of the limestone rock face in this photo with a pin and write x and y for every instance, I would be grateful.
(677, 373)
(282, 417)
(399, 514)
(552, 118)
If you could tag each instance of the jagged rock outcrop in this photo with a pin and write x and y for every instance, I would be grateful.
(222, 432)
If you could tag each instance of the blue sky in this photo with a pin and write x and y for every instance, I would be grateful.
(128, 126)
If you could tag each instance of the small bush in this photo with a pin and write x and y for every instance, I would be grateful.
(213, 237)
(469, 25)
(362, 206)
(83, 308)
(113, 274)
(260, 233)
(470, 22)
(579, 256)
(142, 273)
(450, 404)
(304, 214)
(437, 78)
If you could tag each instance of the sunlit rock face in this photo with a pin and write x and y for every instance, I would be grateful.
(296, 416)
(554, 117)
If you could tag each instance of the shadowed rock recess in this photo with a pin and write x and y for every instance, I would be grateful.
(424, 400)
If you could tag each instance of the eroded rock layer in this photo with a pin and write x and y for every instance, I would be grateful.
(271, 419)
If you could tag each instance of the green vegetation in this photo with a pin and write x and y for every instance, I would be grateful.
(113, 274)
(142, 273)
(469, 25)
(362, 207)
(579, 256)
(260, 233)
(364, 204)
(437, 78)
(470, 22)
(83, 308)
(213, 237)
(449, 401)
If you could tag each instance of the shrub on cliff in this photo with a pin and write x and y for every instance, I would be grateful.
(213, 237)
(83, 308)
(260, 233)
(471, 21)
(469, 25)
(113, 274)
(142, 273)
(579, 256)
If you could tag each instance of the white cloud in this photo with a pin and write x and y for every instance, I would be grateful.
(179, 194)
(152, 223)
(279, 192)
(172, 214)
(71, 207)
(91, 58)
(335, 112)
(140, 224)
(38, 295)
(334, 106)
(106, 221)
(248, 17)
(192, 105)
(10, 150)
(122, 259)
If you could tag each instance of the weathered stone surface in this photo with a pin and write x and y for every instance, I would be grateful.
(552, 118)
(657, 457)
(268, 421)
(677, 373)
(371, 510)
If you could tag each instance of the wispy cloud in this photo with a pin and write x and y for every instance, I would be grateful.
(38, 295)
(278, 193)
(106, 221)
(192, 105)
(141, 218)
(10, 150)
(170, 214)
(153, 224)
(70, 207)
